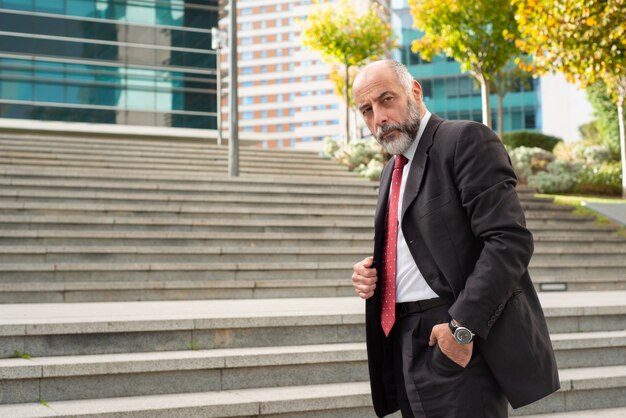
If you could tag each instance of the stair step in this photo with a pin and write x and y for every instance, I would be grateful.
(110, 375)
(582, 388)
(118, 327)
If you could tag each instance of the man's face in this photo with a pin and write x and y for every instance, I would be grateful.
(390, 114)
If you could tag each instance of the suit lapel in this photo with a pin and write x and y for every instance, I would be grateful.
(383, 197)
(418, 165)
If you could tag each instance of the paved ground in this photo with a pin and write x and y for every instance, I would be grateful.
(615, 211)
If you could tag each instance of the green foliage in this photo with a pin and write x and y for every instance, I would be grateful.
(346, 38)
(363, 157)
(559, 177)
(528, 161)
(194, 345)
(19, 354)
(530, 139)
(607, 123)
(44, 403)
(479, 34)
(590, 133)
(582, 152)
(605, 179)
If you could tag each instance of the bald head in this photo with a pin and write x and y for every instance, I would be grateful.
(390, 101)
(387, 67)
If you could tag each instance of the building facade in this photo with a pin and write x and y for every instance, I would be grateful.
(126, 62)
(285, 92)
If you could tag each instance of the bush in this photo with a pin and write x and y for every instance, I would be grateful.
(530, 139)
(605, 179)
(583, 153)
(528, 161)
(363, 157)
(559, 177)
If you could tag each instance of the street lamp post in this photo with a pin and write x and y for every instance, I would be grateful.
(217, 43)
(233, 138)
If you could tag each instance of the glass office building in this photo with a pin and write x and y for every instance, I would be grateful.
(454, 95)
(132, 62)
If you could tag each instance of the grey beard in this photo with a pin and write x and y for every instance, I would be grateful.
(406, 132)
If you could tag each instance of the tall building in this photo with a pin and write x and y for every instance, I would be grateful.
(285, 92)
(455, 95)
(126, 62)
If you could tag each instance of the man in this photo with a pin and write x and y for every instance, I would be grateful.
(454, 326)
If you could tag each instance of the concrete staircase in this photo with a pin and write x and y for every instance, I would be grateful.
(201, 295)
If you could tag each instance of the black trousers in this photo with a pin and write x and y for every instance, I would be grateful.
(430, 385)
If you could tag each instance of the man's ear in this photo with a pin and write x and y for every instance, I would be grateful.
(417, 91)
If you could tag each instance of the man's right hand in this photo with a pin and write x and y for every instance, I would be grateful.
(364, 278)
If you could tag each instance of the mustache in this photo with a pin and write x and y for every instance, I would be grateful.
(386, 128)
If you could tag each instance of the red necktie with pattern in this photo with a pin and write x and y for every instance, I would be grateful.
(388, 313)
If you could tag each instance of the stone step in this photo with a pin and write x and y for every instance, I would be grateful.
(44, 330)
(590, 270)
(262, 185)
(170, 168)
(190, 162)
(62, 237)
(168, 145)
(81, 195)
(582, 388)
(50, 237)
(587, 413)
(246, 224)
(231, 254)
(135, 374)
(232, 211)
(112, 151)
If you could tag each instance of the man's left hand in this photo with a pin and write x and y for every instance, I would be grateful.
(461, 354)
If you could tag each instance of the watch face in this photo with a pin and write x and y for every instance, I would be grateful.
(463, 335)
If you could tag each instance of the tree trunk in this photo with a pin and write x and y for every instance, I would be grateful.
(347, 104)
(622, 138)
(500, 115)
(485, 92)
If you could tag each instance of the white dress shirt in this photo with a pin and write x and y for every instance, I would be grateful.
(410, 283)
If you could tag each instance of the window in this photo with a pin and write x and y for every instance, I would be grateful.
(279, 112)
(279, 67)
(263, 54)
(247, 84)
(247, 115)
(264, 99)
(334, 122)
(247, 70)
(247, 56)
(264, 114)
(246, 41)
(320, 123)
(264, 128)
(279, 97)
(246, 26)
(246, 11)
(279, 128)
(247, 100)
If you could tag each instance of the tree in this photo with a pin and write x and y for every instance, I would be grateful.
(604, 111)
(476, 33)
(583, 39)
(505, 80)
(344, 37)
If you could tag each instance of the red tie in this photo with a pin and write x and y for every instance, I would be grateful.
(388, 314)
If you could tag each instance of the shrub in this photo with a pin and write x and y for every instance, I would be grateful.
(605, 179)
(528, 161)
(530, 139)
(559, 177)
(583, 153)
(363, 157)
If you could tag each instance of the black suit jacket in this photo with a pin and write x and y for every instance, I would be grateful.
(465, 228)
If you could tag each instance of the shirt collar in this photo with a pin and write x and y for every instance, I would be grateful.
(410, 153)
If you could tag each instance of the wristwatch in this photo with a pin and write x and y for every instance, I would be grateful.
(461, 334)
